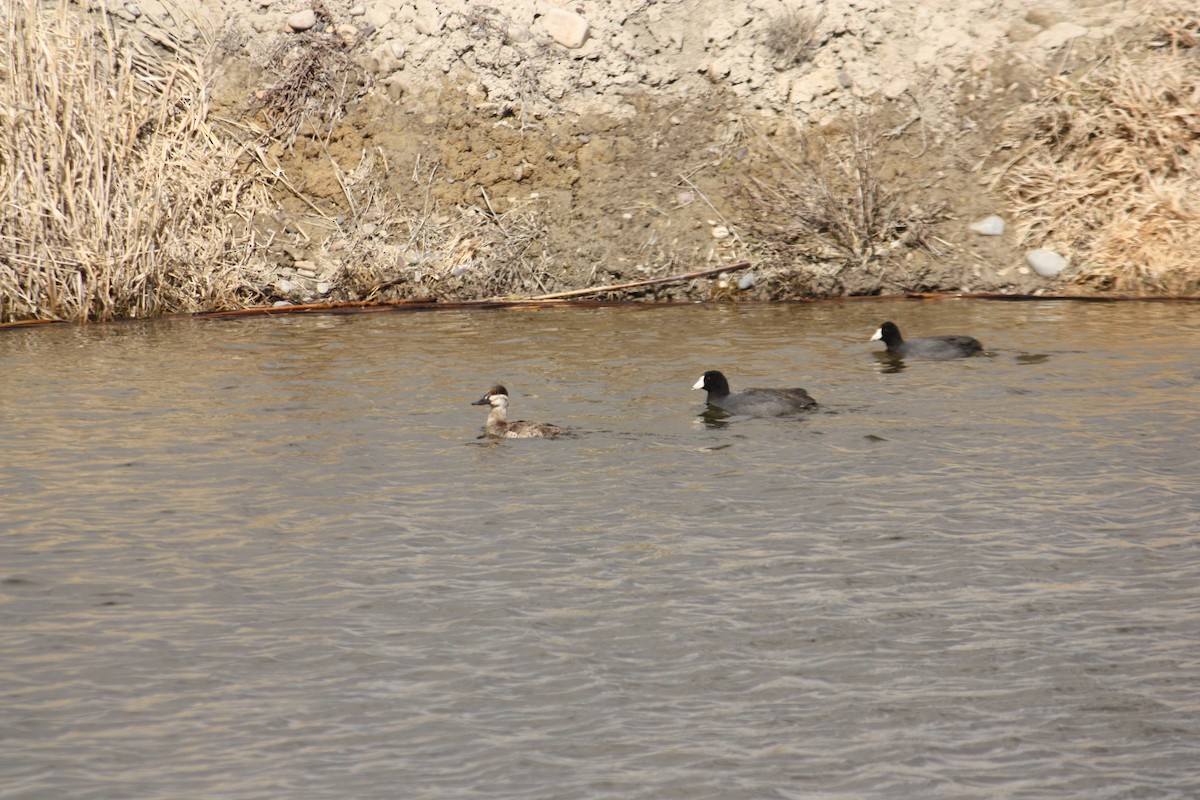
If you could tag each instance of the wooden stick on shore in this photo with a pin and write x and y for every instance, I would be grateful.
(635, 284)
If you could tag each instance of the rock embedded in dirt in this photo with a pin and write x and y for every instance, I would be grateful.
(302, 20)
(989, 226)
(1046, 263)
(565, 27)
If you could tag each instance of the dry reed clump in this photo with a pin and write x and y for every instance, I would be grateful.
(1112, 169)
(119, 200)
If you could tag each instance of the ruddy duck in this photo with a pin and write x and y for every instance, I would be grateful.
(498, 424)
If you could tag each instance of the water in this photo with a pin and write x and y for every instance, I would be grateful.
(265, 558)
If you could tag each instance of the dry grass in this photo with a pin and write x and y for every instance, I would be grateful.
(792, 36)
(843, 214)
(1112, 169)
(119, 201)
(399, 243)
(315, 78)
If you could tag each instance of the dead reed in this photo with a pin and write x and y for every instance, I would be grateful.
(1111, 170)
(118, 198)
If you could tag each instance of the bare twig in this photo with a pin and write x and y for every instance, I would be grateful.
(648, 282)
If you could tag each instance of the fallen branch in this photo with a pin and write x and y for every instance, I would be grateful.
(616, 287)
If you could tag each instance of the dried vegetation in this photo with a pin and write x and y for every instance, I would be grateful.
(119, 199)
(1112, 169)
(845, 217)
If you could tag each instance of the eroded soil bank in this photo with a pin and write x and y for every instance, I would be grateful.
(460, 151)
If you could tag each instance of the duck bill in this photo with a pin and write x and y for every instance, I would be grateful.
(483, 401)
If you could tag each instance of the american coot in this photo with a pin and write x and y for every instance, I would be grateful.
(926, 346)
(498, 424)
(753, 402)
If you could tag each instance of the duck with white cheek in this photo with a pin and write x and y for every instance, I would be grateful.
(499, 425)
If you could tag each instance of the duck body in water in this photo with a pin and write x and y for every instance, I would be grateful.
(497, 422)
(935, 347)
(753, 402)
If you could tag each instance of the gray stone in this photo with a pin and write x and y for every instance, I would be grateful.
(1046, 263)
(302, 20)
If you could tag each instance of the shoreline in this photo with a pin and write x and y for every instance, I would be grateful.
(368, 154)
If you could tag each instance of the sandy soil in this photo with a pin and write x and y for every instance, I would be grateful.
(672, 139)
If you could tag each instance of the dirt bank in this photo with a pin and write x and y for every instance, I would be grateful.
(462, 150)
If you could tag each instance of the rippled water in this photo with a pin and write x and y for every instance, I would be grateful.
(270, 558)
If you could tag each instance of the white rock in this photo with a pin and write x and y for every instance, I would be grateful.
(720, 232)
(989, 226)
(284, 287)
(302, 20)
(565, 27)
(746, 281)
(1046, 263)
(323, 287)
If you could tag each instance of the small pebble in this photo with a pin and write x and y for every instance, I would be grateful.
(323, 287)
(720, 232)
(989, 226)
(684, 198)
(1046, 263)
(746, 281)
(279, 303)
(302, 20)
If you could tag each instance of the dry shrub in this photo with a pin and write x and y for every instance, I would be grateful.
(1112, 169)
(843, 213)
(119, 201)
(792, 36)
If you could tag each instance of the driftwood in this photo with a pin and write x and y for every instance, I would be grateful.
(616, 287)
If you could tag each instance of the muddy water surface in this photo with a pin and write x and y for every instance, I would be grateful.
(271, 558)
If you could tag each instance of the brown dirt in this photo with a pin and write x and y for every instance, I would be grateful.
(473, 165)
